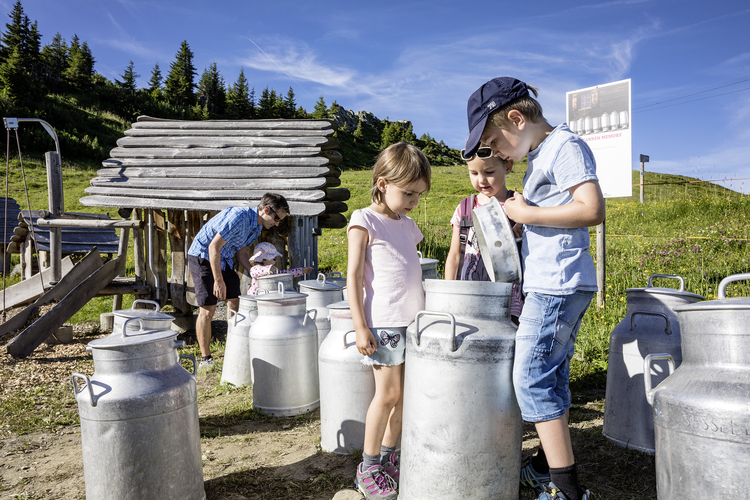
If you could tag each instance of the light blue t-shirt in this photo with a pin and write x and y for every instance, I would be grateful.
(557, 260)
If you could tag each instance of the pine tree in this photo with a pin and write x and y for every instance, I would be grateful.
(180, 83)
(54, 57)
(75, 73)
(265, 104)
(358, 132)
(253, 103)
(290, 104)
(320, 110)
(391, 135)
(128, 79)
(88, 60)
(211, 93)
(238, 102)
(15, 34)
(14, 79)
(154, 84)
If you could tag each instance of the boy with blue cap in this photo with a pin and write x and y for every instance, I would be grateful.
(561, 199)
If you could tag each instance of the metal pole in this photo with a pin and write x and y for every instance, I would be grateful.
(601, 264)
(644, 159)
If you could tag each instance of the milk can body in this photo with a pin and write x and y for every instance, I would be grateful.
(338, 278)
(283, 343)
(321, 293)
(152, 319)
(236, 368)
(649, 326)
(429, 267)
(346, 385)
(139, 420)
(270, 282)
(462, 428)
(701, 416)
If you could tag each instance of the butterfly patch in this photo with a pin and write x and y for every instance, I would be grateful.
(385, 339)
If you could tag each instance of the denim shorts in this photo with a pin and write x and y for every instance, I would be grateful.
(545, 342)
(391, 344)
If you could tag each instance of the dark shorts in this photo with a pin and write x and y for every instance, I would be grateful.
(203, 278)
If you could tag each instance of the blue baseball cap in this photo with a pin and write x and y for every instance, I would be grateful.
(491, 96)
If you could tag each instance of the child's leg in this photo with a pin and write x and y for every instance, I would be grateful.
(383, 422)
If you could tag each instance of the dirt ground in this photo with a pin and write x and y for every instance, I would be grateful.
(249, 456)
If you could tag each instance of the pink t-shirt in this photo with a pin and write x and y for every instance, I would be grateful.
(392, 274)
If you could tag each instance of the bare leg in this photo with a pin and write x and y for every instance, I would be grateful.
(385, 409)
(555, 438)
(203, 328)
(393, 429)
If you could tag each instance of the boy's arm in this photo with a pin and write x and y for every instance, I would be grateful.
(586, 209)
(454, 254)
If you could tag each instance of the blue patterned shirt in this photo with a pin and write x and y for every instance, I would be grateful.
(237, 225)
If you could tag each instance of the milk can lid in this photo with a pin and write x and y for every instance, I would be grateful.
(343, 304)
(426, 260)
(667, 291)
(320, 284)
(144, 313)
(722, 303)
(251, 298)
(132, 338)
(497, 243)
(281, 294)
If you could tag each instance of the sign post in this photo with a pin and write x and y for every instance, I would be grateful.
(644, 159)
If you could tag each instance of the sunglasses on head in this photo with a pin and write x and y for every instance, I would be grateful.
(276, 217)
(483, 152)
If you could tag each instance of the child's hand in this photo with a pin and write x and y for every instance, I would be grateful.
(366, 344)
(514, 207)
(306, 269)
(518, 230)
(272, 270)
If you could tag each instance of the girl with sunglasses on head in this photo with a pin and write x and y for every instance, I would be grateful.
(487, 174)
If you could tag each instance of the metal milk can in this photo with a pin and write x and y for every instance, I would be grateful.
(346, 385)
(650, 326)
(702, 411)
(605, 122)
(236, 369)
(429, 267)
(338, 278)
(139, 419)
(462, 428)
(152, 319)
(283, 343)
(320, 293)
(270, 282)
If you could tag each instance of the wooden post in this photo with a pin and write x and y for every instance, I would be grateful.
(27, 249)
(176, 220)
(644, 159)
(140, 265)
(194, 224)
(601, 264)
(303, 245)
(157, 252)
(54, 194)
(122, 250)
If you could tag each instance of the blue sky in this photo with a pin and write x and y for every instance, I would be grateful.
(419, 61)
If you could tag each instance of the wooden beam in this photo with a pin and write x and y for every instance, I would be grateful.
(220, 172)
(28, 340)
(76, 223)
(29, 290)
(216, 141)
(310, 161)
(144, 132)
(138, 250)
(333, 194)
(234, 152)
(208, 194)
(332, 221)
(295, 207)
(150, 122)
(176, 231)
(233, 184)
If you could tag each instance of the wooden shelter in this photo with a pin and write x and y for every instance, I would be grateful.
(177, 174)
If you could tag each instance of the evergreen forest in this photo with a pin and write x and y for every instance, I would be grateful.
(58, 82)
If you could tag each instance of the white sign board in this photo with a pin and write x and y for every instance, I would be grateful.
(601, 116)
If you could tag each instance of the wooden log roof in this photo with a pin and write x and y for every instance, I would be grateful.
(74, 240)
(214, 164)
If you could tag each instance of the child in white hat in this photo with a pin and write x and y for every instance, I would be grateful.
(264, 263)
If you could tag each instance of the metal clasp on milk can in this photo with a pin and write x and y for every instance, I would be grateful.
(236, 369)
(139, 419)
(701, 411)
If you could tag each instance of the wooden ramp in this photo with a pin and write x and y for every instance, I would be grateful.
(72, 292)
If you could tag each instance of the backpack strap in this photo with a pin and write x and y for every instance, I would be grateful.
(464, 211)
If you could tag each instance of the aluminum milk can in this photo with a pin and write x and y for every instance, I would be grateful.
(236, 369)
(346, 385)
(429, 267)
(650, 326)
(462, 428)
(139, 419)
(152, 319)
(338, 278)
(320, 293)
(270, 282)
(702, 411)
(283, 343)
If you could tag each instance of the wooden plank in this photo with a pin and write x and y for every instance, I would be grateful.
(150, 122)
(20, 231)
(158, 249)
(68, 248)
(90, 263)
(220, 172)
(28, 290)
(79, 225)
(176, 231)
(144, 132)
(236, 152)
(124, 289)
(28, 340)
(332, 143)
(229, 194)
(138, 250)
(333, 156)
(81, 238)
(264, 184)
(221, 142)
(332, 182)
(335, 207)
(192, 227)
(310, 161)
(337, 194)
(332, 221)
(295, 207)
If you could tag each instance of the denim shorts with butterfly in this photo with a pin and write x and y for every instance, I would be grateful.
(391, 344)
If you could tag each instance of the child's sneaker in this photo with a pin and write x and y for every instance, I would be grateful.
(552, 493)
(533, 479)
(392, 466)
(374, 483)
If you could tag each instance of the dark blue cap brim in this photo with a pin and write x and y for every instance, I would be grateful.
(475, 138)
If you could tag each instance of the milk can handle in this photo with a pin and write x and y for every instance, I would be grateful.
(191, 358)
(335, 274)
(73, 378)
(647, 373)
(280, 288)
(419, 254)
(156, 305)
(234, 315)
(125, 325)
(447, 315)
(321, 278)
(682, 280)
(344, 336)
(728, 280)
(668, 330)
(307, 315)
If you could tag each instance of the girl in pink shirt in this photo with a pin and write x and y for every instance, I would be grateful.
(384, 286)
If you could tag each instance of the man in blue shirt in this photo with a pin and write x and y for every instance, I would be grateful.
(211, 259)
